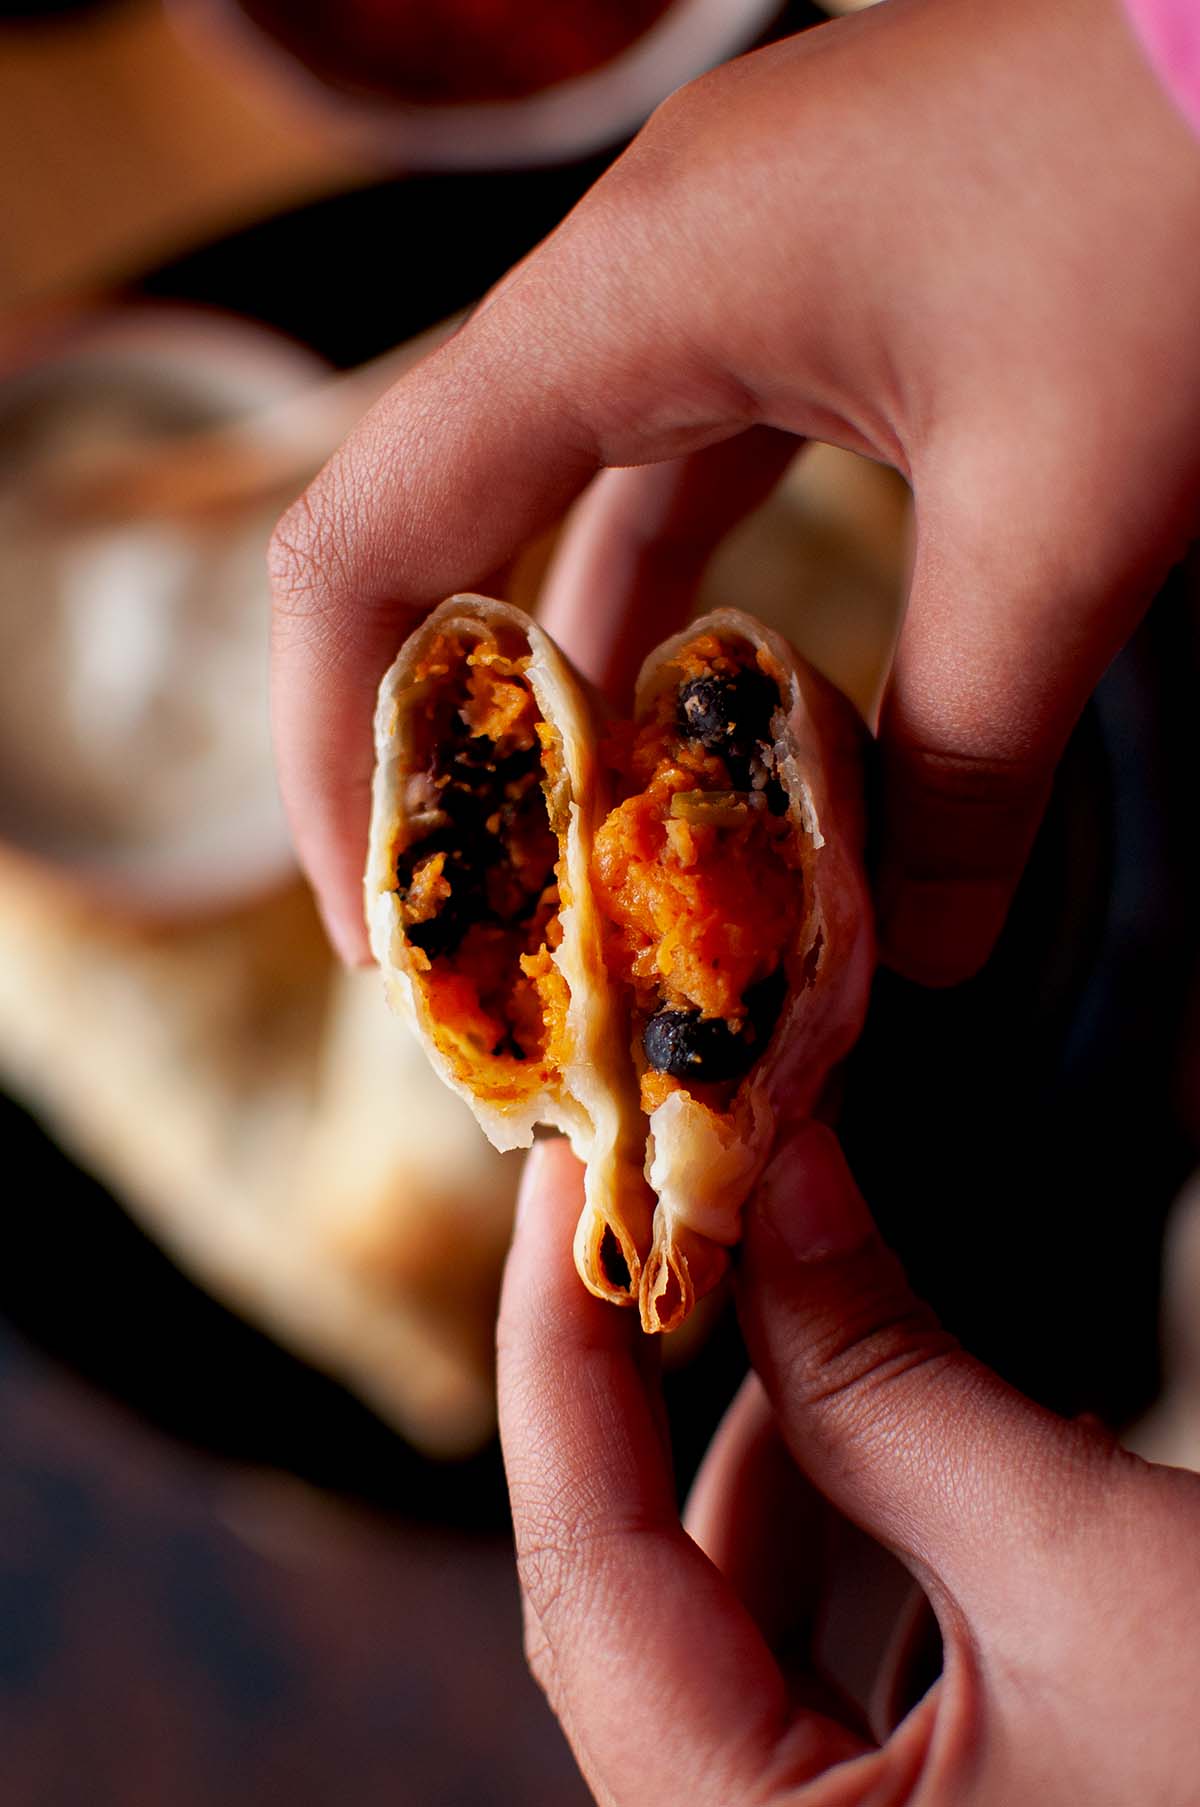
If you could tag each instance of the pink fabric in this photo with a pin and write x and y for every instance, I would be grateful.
(1170, 32)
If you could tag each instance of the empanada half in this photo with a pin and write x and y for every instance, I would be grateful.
(481, 911)
(737, 925)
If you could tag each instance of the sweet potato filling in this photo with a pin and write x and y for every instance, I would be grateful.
(697, 874)
(476, 863)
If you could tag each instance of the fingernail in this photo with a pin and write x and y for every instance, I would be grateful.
(809, 1200)
(532, 1178)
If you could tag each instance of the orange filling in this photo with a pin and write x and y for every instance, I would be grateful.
(477, 870)
(698, 880)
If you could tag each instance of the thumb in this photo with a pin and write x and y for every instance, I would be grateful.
(905, 1433)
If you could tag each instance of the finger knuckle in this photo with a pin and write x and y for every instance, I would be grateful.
(676, 118)
(965, 814)
(966, 780)
(884, 1342)
(672, 186)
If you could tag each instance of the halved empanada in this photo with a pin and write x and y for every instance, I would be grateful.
(684, 917)
(481, 911)
(737, 925)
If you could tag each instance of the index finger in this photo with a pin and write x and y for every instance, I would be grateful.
(562, 371)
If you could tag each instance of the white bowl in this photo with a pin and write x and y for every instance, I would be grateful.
(135, 754)
(558, 123)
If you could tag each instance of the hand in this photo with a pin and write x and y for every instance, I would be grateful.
(956, 236)
(1062, 1570)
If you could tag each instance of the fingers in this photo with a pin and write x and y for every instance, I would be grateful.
(636, 546)
(565, 369)
(737, 267)
(418, 503)
(928, 1451)
(663, 1684)
(611, 345)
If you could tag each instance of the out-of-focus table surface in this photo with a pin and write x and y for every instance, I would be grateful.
(120, 147)
(176, 1632)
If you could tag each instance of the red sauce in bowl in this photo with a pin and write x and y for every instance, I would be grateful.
(444, 52)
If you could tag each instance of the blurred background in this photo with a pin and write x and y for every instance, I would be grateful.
(253, 1541)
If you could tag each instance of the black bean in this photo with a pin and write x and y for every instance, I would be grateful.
(728, 714)
(470, 781)
(438, 935)
(464, 869)
(518, 765)
(477, 761)
(469, 852)
(466, 807)
(467, 781)
(444, 933)
(477, 753)
(740, 769)
(471, 786)
(690, 1046)
(408, 861)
